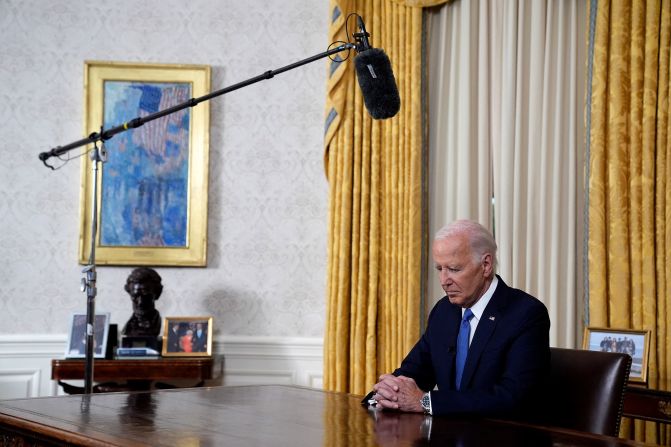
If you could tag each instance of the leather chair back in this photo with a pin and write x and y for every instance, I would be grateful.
(586, 390)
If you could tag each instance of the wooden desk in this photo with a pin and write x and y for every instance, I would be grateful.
(256, 415)
(133, 375)
(648, 403)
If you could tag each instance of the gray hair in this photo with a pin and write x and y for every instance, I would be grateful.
(481, 240)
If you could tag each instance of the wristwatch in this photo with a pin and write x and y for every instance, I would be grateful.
(426, 403)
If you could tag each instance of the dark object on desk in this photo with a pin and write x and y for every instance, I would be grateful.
(256, 415)
(586, 390)
(144, 287)
(112, 341)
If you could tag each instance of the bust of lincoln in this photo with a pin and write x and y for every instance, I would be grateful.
(144, 287)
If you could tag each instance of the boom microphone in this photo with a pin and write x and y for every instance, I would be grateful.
(376, 79)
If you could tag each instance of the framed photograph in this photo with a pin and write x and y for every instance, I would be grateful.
(76, 347)
(634, 343)
(187, 336)
(152, 188)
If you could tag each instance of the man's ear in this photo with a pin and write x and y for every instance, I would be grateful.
(487, 264)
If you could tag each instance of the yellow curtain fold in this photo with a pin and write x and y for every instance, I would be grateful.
(375, 174)
(629, 195)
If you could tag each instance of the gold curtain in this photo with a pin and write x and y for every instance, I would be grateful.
(376, 214)
(629, 192)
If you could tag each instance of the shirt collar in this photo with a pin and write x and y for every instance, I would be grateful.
(479, 307)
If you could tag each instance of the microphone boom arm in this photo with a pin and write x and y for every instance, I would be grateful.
(104, 135)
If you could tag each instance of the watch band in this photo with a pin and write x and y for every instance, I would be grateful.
(426, 402)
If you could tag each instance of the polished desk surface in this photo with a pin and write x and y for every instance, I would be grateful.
(271, 415)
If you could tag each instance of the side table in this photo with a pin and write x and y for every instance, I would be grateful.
(133, 374)
(651, 404)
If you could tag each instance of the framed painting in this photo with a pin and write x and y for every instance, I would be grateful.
(187, 336)
(152, 188)
(76, 347)
(634, 343)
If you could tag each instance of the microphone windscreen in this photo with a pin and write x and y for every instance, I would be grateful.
(377, 83)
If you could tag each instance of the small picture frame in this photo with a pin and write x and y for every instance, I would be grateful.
(632, 342)
(187, 336)
(76, 347)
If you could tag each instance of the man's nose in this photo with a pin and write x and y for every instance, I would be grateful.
(445, 277)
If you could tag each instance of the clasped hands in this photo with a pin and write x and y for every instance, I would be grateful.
(398, 393)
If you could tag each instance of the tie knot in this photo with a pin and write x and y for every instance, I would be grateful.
(467, 315)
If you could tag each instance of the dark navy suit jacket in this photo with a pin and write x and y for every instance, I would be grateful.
(508, 359)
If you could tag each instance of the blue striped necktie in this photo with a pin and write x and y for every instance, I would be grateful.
(462, 345)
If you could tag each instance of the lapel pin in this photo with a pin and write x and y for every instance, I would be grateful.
(492, 318)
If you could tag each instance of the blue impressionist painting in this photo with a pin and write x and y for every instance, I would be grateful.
(145, 179)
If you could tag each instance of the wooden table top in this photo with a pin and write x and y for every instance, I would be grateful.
(258, 416)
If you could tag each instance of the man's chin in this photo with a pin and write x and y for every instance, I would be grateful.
(455, 299)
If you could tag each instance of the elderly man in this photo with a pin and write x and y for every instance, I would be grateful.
(486, 347)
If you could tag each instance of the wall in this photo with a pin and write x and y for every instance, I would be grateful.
(267, 193)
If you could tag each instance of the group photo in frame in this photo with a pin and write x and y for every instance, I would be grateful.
(187, 336)
(628, 341)
(76, 347)
(152, 191)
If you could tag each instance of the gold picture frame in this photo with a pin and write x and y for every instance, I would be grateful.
(187, 337)
(152, 190)
(632, 342)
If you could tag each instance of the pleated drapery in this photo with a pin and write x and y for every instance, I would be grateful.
(375, 174)
(629, 187)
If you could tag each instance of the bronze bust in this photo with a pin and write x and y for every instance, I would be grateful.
(144, 287)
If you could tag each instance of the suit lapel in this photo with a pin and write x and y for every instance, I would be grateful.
(450, 341)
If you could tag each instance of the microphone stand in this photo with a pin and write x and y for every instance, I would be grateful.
(88, 283)
(99, 156)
